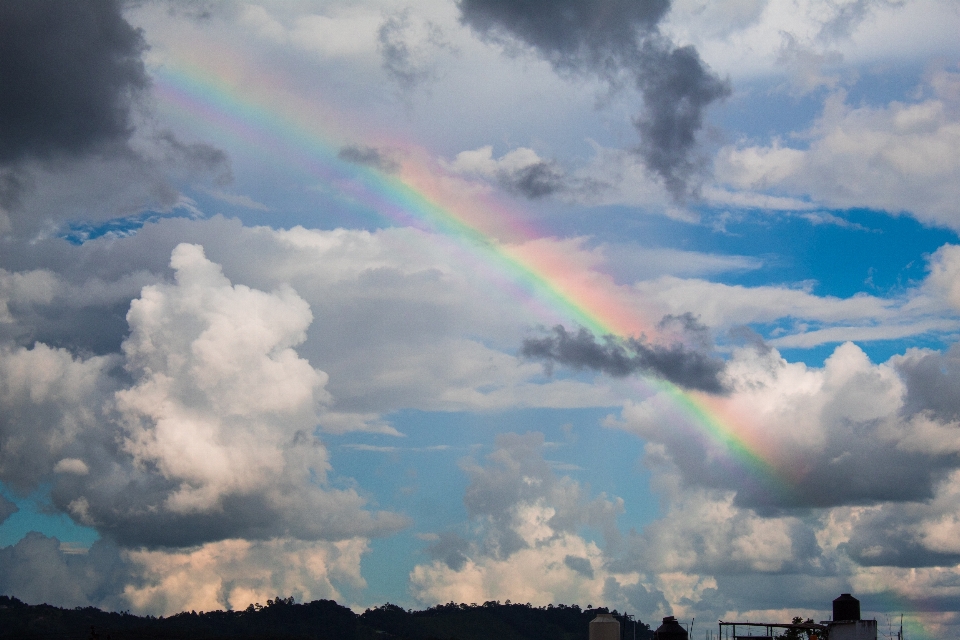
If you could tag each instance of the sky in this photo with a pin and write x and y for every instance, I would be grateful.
(641, 304)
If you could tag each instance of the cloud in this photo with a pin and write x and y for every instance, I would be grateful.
(51, 403)
(631, 263)
(522, 172)
(228, 574)
(899, 158)
(206, 433)
(231, 574)
(689, 368)
(611, 37)
(518, 477)
(238, 200)
(7, 509)
(76, 68)
(932, 381)
(526, 544)
(848, 433)
(806, 67)
(369, 156)
(944, 277)
(76, 138)
(37, 571)
(209, 359)
(406, 45)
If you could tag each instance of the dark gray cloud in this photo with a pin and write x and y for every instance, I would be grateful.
(688, 367)
(36, 570)
(676, 88)
(580, 565)
(610, 38)
(72, 74)
(128, 505)
(70, 69)
(570, 33)
(7, 509)
(890, 537)
(370, 157)
(195, 157)
(535, 180)
(855, 469)
(933, 383)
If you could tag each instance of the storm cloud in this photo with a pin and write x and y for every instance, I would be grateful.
(678, 363)
(76, 67)
(609, 38)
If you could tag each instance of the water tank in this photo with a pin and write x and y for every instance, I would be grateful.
(604, 627)
(670, 630)
(846, 607)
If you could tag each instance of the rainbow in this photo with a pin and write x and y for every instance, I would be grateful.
(258, 110)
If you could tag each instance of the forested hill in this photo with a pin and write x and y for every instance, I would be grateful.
(317, 620)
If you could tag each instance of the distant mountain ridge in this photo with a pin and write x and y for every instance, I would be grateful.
(282, 619)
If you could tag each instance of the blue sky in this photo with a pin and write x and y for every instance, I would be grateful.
(223, 377)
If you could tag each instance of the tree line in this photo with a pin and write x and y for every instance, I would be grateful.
(283, 619)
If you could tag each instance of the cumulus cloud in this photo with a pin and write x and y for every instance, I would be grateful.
(850, 474)
(224, 410)
(211, 438)
(235, 573)
(609, 38)
(838, 435)
(227, 574)
(691, 368)
(116, 432)
(530, 547)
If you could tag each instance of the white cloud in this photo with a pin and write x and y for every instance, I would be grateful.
(744, 38)
(344, 32)
(216, 427)
(539, 574)
(232, 574)
(530, 544)
(72, 465)
(901, 158)
(944, 278)
(219, 388)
